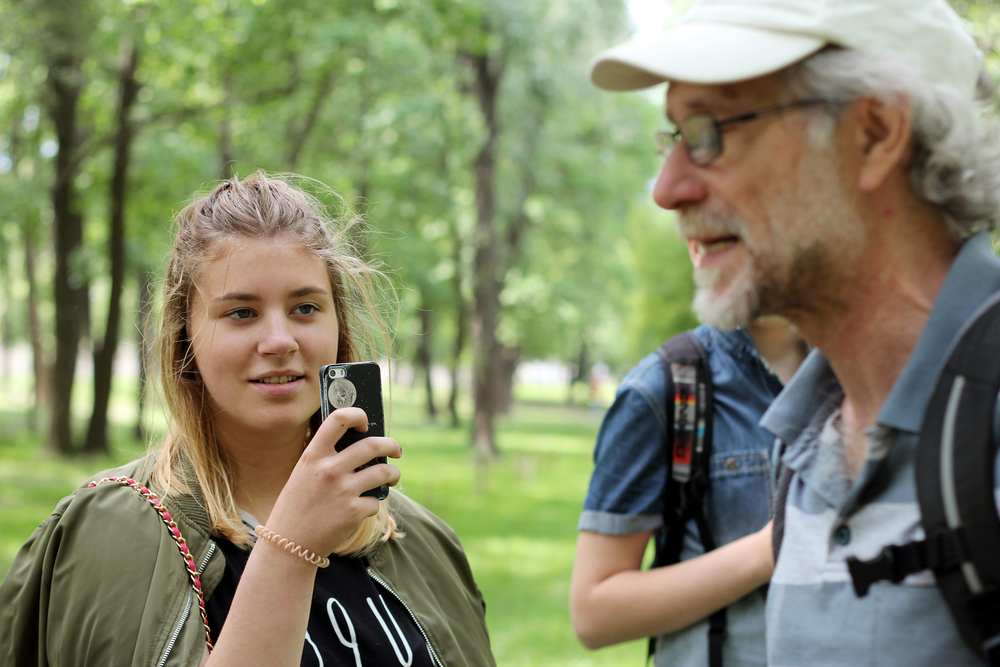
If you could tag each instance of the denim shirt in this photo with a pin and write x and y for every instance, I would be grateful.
(815, 617)
(627, 489)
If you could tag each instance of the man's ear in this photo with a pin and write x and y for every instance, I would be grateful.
(881, 138)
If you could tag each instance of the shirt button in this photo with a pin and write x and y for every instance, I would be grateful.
(732, 464)
(842, 535)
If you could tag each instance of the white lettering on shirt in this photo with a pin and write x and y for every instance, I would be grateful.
(315, 649)
(395, 647)
(353, 643)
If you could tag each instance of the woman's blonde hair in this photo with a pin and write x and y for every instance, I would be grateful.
(258, 207)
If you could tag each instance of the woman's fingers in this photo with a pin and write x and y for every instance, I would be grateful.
(335, 426)
(379, 473)
(339, 478)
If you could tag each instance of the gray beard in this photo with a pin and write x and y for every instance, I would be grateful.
(816, 242)
(737, 307)
(739, 304)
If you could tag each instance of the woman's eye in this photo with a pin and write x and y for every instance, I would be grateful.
(240, 313)
(306, 309)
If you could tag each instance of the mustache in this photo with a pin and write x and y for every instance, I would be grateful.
(696, 222)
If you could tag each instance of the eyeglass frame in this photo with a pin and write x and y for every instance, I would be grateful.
(667, 140)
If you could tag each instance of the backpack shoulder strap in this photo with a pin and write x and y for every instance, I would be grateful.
(690, 408)
(955, 485)
(783, 477)
(955, 490)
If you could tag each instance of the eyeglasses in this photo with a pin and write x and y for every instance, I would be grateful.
(701, 134)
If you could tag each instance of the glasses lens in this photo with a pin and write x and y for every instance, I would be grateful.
(701, 136)
(665, 142)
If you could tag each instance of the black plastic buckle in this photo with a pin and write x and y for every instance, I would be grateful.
(864, 573)
(897, 561)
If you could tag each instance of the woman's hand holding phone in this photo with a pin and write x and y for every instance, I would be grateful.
(323, 502)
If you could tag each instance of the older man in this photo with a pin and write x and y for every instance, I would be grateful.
(829, 166)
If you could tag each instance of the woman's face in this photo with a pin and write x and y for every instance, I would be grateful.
(262, 324)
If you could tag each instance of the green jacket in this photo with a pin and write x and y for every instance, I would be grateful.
(101, 582)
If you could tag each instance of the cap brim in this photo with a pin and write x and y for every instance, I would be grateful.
(703, 53)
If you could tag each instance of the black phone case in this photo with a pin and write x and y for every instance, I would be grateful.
(355, 384)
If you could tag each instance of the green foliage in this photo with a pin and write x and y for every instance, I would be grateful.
(661, 301)
(369, 98)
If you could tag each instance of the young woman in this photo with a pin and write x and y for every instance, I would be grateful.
(159, 563)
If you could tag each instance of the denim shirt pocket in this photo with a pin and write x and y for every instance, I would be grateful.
(738, 502)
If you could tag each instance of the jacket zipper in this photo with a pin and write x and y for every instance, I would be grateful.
(187, 609)
(177, 631)
(430, 648)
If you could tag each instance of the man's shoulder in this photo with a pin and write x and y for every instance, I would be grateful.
(648, 377)
(729, 354)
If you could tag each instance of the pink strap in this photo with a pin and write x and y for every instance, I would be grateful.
(175, 533)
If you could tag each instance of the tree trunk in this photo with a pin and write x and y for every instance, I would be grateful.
(486, 306)
(580, 373)
(104, 354)
(35, 331)
(461, 327)
(29, 228)
(423, 358)
(506, 367)
(299, 132)
(64, 82)
(363, 166)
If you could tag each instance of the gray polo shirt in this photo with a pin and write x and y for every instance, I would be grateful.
(813, 616)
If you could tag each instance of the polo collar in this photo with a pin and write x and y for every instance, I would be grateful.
(973, 277)
(806, 394)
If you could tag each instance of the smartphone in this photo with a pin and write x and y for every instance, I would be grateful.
(355, 384)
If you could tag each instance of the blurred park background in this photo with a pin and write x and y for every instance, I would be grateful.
(506, 197)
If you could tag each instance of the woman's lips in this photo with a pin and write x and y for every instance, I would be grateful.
(283, 385)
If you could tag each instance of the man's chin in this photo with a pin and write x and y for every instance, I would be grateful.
(727, 311)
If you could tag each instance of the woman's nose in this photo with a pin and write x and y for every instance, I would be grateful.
(277, 338)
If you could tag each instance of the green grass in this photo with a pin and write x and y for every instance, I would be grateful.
(516, 517)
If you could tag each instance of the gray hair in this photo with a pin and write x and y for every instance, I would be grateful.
(956, 154)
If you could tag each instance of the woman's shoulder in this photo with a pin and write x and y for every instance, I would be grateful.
(114, 509)
(81, 498)
(99, 510)
(102, 544)
(426, 538)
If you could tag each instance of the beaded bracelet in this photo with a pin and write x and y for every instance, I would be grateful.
(291, 547)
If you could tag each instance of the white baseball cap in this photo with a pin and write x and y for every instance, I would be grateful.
(724, 41)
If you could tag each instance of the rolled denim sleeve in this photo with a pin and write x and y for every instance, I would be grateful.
(630, 464)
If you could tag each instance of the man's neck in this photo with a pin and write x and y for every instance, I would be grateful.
(890, 297)
(780, 344)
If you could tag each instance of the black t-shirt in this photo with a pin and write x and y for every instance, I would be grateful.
(353, 620)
